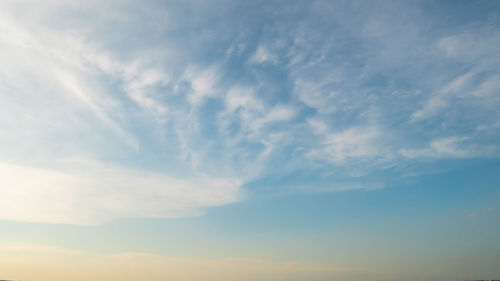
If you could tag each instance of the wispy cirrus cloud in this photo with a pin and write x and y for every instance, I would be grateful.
(353, 143)
(443, 97)
(449, 147)
(212, 96)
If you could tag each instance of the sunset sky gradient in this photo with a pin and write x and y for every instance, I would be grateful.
(249, 140)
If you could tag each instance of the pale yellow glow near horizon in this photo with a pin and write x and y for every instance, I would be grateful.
(38, 263)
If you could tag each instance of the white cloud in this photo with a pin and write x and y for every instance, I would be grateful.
(353, 143)
(137, 91)
(248, 121)
(93, 193)
(263, 55)
(491, 126)
(450, 45)
(346, 186)
(57, 63)
(243, 107)
(313, 95)
(471, 45)
(203, 83)
(275, 114)
(318, 126)
(280, 113)
(448, 147)
(85, 95)
(442, 99)
(488, 88)
(244, 98)
(253, 113)
(235, 50)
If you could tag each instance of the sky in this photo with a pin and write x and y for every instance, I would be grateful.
(249, 140)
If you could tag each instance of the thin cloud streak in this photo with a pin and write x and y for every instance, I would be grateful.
(95, 193)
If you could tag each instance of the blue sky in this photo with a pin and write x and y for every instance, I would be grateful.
(359, 136)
